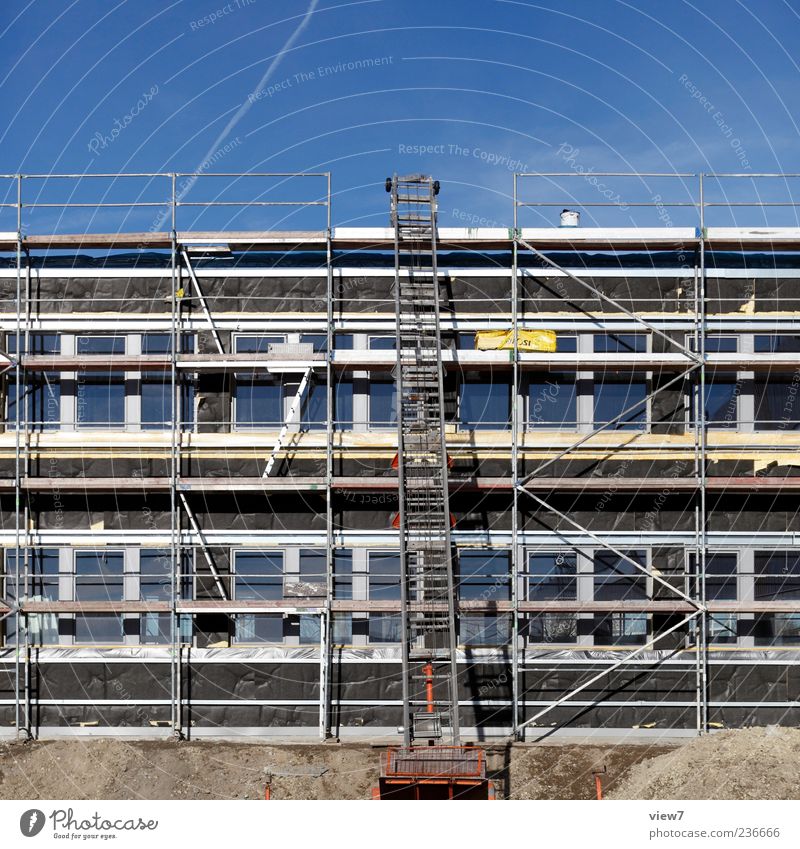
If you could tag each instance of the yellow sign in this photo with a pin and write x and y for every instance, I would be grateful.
(543, 341)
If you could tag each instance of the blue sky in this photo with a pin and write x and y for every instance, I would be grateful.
(468, 90)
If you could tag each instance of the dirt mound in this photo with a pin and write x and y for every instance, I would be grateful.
(104, 768)
(752, 763)
(115, 769)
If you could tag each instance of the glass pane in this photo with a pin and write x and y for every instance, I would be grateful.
(342, 628)
(777, 405)
(484, 575)
(485, 404)
(259, 628)
(41, 397)
(552, 577)
(552, 628)
(718, 344)
(99, 575)
(777, 629)
(612, 397)
(382, 403)
(314, 413)
(620, 343)
(620, 629)
(100, 399)
(777, 576)
(256, 344)
(343, 574)
(722, 401)
(309, 629)
(384, 628)
(318, 340)
(259, 575)
(100, 345)
(552, 401)
(485, 630)
(161, 343)
(259, 403)
(343, 404)
(566, 344)
(98, 628)
(384, 577)
(780, 343)
(38, 343)
(617, 579)
(382, 343)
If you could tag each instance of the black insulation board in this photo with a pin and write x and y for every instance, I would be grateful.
(479, 681)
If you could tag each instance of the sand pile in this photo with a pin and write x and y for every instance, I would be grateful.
(751, 763)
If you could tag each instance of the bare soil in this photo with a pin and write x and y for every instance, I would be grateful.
(751, 763)
(115, 769)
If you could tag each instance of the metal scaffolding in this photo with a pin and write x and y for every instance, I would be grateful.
(685, 600)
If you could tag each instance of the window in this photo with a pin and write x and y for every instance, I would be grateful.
(616, 579)
(38, 343)
(314, 411)
(97, 345)
(779, 343)
(552, 401)
(310, 633)
(620, 343)
(777, 629)
(156, 409)
(552, 628)
(717, 344)
(343, 403)
(617, 629)
(258, 628)
(161, 343)
(777, 576)
(258, 401)
(776, 402)
(343, 574)
(256, 344)
(318, 340)
(484, 575)
(100, 399)
(485, 404)
(384, 585)
(615, 394)
(42, 585)
(155, 584)
(553, 576)
(258, 575)
(313, 575)
(721, 585)
(41, 400)
(485, 629)
(722, 400)
(99, 577)
(382, 400)
(382, 343)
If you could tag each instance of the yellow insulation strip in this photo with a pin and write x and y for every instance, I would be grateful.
(543, 341)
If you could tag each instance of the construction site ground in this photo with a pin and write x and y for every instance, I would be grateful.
(752, 763)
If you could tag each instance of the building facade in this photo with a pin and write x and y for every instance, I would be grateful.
(198, 486)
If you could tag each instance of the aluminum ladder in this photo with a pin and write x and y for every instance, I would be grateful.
(429, 639)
